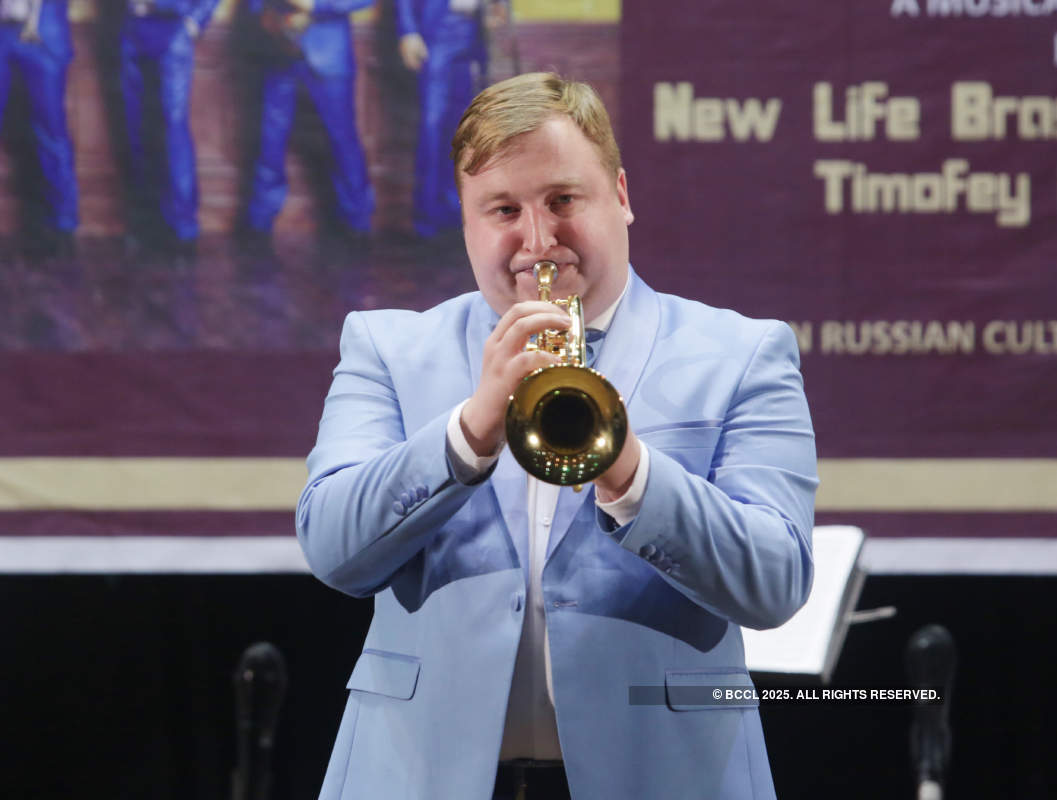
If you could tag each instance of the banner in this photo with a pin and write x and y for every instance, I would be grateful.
(878, 173)
(881, 175)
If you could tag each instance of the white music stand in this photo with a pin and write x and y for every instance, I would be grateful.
(807, 646)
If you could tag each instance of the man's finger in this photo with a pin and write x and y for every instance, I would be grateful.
(517, 336)
(529, 361)
(522, 309)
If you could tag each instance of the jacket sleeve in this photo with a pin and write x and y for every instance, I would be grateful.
(202, 12)
(324, 7)
(737, 540)
(375, 497)
(406, 21)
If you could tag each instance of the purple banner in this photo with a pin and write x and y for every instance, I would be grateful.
(880, 174)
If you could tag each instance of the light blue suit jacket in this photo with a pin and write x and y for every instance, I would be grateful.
(722, 540)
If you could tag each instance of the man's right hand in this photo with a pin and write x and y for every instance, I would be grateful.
(413, 51)
(504, 364)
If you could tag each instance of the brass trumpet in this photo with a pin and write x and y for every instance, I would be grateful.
(565, 423)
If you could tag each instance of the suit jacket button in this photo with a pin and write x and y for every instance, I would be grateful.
(398, 507)
(405, 499)
(421, 492)
(647, 551)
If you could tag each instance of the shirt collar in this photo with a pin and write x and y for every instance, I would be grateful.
(603, 320)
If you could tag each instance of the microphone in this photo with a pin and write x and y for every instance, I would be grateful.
(931, 657)
(260, 685)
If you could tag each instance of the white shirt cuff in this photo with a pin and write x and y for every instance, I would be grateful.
(468, 466)
(626, 507)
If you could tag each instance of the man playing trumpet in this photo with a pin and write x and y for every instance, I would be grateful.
(516, 621)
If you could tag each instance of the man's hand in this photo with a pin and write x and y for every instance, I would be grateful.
(297, 21)
(413, 51)
(504, 364)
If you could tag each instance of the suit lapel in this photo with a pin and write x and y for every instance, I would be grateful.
(625, 351)
(480, 323)
(508, 479)
(630, 338)
(509, 484)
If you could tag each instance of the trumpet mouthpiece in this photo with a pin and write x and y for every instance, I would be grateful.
(545, 272)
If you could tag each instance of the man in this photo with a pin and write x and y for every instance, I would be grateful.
(159, 36)
(441, 40)
(309, 42)
(35, 41)
(513, 619)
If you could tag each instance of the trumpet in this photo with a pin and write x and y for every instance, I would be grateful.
(565, 423)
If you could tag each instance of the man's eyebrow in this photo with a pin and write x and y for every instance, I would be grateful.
(494, 197)
(566, 183)
(553, 186)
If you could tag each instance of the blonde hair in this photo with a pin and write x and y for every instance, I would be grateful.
(521, 105)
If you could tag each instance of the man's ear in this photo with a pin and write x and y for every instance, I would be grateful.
(622, 196)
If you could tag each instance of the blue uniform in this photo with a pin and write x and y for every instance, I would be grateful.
(43, 66)
(445, 89)
(326, 67)
(156, 35)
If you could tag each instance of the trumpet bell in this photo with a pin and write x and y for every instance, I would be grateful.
(566, 424)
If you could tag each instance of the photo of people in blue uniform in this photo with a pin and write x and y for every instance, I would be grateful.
(158, 36)
(35, 44)
(442, 41)
(309, 44)
(371, 93)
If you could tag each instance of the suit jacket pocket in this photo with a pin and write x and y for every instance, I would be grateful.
(691, 443)
(700, 690)
(390, 674)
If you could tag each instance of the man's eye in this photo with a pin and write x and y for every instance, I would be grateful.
(563, 199)
(505, 211)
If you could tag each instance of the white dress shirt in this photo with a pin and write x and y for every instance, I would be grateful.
(531, 729)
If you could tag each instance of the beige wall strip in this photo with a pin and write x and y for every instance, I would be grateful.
(940, 484)
(141, 484)
(272, 484)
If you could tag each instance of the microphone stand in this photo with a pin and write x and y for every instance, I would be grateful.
(931, 657)
(260, 685)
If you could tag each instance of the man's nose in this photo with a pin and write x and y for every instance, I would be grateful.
(539, 232)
